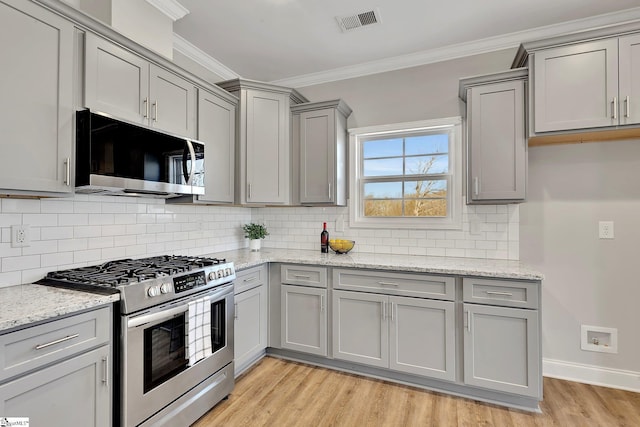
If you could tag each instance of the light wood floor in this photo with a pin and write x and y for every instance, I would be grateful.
(281, 393)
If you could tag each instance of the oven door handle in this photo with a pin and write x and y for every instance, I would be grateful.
(154, 317)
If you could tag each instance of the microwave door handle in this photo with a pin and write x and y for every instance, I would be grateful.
(188, 151)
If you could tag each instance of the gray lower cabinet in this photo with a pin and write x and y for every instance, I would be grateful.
(128, 86)
(304, 319)
(404, 334)
(250, 323)
(59, 373)
(36, 87)
(501, 342)
(496, 137)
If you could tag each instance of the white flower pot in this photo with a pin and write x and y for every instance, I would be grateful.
(254, 245)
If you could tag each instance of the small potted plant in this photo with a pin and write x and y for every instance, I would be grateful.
(255, 232)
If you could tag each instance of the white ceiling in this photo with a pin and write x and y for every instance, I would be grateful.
(299, 42)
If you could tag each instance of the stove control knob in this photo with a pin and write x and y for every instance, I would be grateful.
(153, 291)
(227, 271)
(212, 275)
(165, 288)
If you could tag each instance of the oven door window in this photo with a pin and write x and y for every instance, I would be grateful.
(164, 352)
(218, 325)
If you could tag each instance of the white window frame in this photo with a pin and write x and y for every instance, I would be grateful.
(453, 220)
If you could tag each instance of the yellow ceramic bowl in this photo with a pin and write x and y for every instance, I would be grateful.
(341, 246)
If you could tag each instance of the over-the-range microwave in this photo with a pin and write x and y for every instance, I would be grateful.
(121, 158)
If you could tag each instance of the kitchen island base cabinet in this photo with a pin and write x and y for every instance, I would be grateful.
(75, 392)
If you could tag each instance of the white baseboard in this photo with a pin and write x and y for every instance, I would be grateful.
(590, 374)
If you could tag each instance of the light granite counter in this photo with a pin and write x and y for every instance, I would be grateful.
(503, 269)
(25, 304)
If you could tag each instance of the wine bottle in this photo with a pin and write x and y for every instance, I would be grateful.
(324, 239)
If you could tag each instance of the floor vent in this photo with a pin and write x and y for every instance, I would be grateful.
(359, 20)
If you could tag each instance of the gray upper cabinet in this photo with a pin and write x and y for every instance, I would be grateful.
(629, 71)
(575, 86)
(123, 84)
(37, 55)
(496, 137)
(263, 146)
(321, 141)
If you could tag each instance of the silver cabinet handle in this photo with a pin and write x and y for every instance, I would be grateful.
(614, 108)
(235, 310)
(321, 303)
(391, 306)
(476, 185)
(155, 111)
(249, 191)
(146, 108)
(67, 172)
(504, 294)
(105, 371)
(329, 191)
(300, 276)
(627, 107)
(58, 341)
(250, 279)
(387, 284)
(384, 310)
(468, 321)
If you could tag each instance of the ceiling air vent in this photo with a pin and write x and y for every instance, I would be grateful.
(359, 20)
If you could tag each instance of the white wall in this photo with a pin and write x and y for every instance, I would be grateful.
(86, 230)
(587, 280)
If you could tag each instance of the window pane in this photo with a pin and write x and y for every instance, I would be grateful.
(424, 189)
(383, 190)
(382, 148)
(424, 165)
(383, 167)
(427, 144)
(425, 207)
(382, 208)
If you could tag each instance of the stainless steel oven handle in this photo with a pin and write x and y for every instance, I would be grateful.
(153, 317)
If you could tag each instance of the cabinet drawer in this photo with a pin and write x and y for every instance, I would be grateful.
(500, 292)
(304, 275)
(250, 278)
(30, 348)
(404, 284)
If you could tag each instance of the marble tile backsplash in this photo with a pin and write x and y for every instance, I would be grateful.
(86, 230)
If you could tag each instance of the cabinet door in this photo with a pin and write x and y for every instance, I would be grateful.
(360, 328)
(76, 392)
(304, 319)
(116, 81)
(629, 79)
(250, 327)
(267, 147)
(36, 98)
(502, 349)
(496, 142)
(216, 128)
(173, 102)
(317, 156)
(422, 337)
(574, 86)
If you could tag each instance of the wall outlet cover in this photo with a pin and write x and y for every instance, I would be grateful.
(20, 237)
(598, 338)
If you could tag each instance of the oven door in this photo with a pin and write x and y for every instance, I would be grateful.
(155, 361)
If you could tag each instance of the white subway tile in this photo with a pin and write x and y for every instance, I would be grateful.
(72, 245)
(436, 252)
(56, 233)
(73, 219)
(20, 206)
(87, 231)
(453, 252)
(18, 263)
(9, 219)
(12, 278)
(40, 220)
(56, 259)
(100, 242)
(102, 219)
(87, 207)
(41, 247)
(56, 206)
(114, 230)
(92, 255)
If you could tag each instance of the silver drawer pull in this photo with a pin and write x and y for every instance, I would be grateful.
(504, 294)
(49, 344)
(300, 276)
(105, 371)
(387, 284)
(250, 279)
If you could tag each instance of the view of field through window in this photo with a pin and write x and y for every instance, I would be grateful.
(406, 176)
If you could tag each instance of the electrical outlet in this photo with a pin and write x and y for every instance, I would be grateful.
(605, 229)
(20, 236)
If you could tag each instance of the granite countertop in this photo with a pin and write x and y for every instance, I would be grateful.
(503, 269)
(31, 303)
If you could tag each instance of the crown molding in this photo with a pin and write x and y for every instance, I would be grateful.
(170, 8)
(490, 44)
(195, 54)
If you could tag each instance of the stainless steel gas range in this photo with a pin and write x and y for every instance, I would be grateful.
(174, 334)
